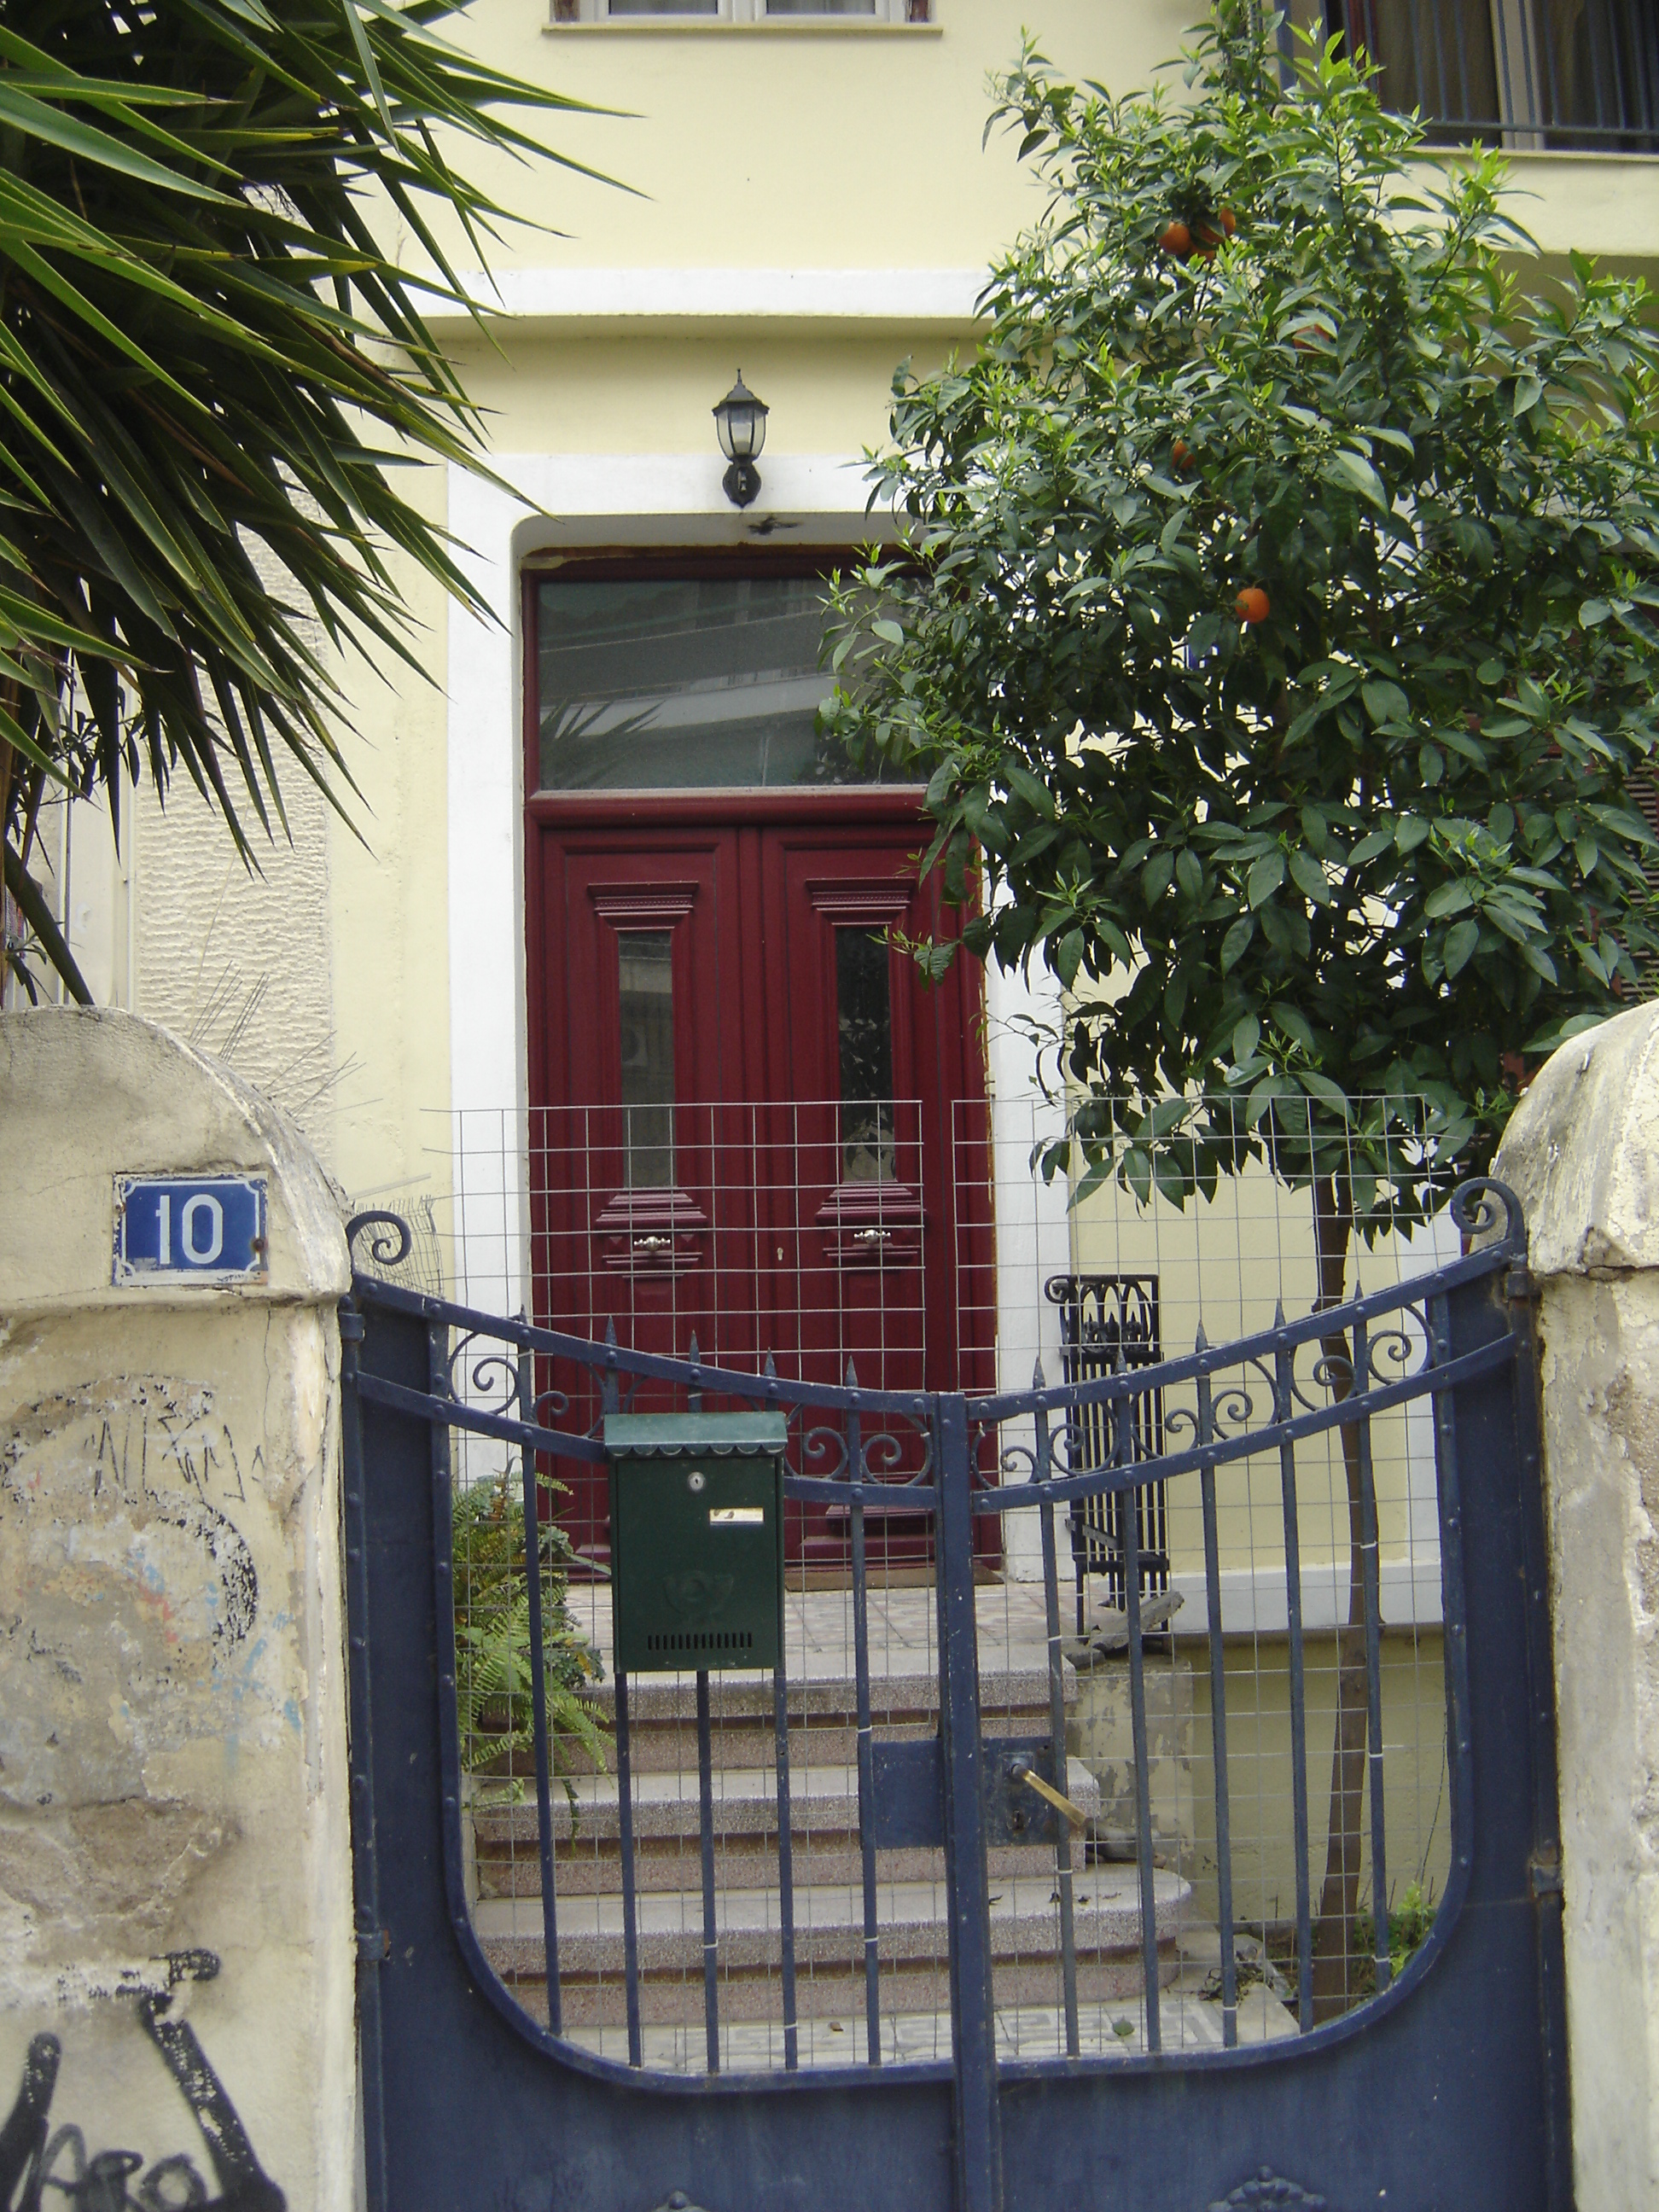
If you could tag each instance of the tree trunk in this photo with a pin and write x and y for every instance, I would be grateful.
(1338, 1896)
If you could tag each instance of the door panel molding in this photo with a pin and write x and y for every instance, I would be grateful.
(625, 904)
(884, 899)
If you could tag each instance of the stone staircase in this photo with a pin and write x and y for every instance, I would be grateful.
(504, 1880)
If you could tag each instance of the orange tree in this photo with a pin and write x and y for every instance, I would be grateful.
(1275, 628)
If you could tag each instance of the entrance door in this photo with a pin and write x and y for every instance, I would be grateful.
(746, 1100)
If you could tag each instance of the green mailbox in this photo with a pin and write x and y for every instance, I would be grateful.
(696, 1540)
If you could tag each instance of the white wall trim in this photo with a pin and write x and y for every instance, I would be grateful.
(900, 296)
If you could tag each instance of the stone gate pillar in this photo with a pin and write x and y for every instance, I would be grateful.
(176, 1960)
(1583, 1153)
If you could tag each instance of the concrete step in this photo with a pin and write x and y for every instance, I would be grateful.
(662, 1716)
(824, 1831)
(1024, 1921)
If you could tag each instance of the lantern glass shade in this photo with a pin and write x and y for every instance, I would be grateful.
(740, 419)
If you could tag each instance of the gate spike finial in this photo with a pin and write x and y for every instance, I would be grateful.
(694, 1353)
(1279, 1313)
(1039, 1380)
(852, 1376)
(611, 1331)
(1201, 1342)
(770, 1369)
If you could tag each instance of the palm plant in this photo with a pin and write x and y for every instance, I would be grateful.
(212, 347)
(493, 1643)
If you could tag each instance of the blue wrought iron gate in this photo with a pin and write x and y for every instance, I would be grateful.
(1442, 2091)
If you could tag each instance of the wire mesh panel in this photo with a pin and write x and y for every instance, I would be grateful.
(736, 1231)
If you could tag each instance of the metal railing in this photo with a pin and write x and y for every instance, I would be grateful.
(1110, 1323)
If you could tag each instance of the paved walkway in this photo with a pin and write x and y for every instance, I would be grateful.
(1187, 2021)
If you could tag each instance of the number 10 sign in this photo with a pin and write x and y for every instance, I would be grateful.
(189, 1229)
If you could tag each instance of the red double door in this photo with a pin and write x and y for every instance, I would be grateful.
(753, 1122)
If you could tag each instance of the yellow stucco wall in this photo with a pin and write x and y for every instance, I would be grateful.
(841, 145)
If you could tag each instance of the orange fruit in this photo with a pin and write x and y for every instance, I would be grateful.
(1176, 238)
(1252, 604)
(1228, 220)
(1182, 454)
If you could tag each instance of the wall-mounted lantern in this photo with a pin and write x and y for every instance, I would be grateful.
(740, 419)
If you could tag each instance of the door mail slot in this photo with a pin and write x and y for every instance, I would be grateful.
(696, 1540)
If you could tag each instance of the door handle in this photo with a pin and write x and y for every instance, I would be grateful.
(872, 1236)
(652, 1245)
(1021, 1770)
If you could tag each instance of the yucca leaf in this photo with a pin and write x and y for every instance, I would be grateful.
(204, 341)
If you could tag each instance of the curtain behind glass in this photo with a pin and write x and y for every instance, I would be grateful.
(683, 683)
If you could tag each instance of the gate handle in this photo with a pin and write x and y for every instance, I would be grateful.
(1021, 1770)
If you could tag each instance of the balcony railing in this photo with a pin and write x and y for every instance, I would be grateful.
(1533, 76)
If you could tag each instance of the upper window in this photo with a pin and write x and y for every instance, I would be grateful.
(649, 683)
(738, 11)
(1558, 74)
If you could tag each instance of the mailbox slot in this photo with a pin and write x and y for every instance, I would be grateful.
(696, 1540)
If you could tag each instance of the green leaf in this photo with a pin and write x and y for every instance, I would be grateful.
(1592, 613)
(1236, 943)
(1461, 940)
(1155, 876)
(1068, 958)
(1528, 391)
(940, 785)
(1355, 473)
(1031, 788)
(1447, 898)
(34, 118)
(1266, 876)
(1247, 1034)
(1308, 876)
(1386, 703)
(887, 629)
(1328, 1093)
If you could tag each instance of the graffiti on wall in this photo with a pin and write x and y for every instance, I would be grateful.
(37, 2157)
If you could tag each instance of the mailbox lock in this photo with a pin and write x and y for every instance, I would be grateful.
(696, 1480)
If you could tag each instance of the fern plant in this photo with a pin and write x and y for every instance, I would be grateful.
(495, 1690)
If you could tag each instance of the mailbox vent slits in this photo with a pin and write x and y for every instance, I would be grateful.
(701, 1639)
